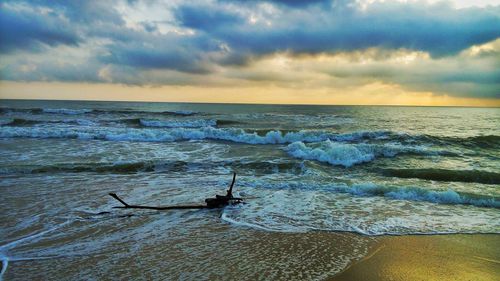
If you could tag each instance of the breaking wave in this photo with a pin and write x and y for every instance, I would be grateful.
(420, 194)
(445, 175)
(179, 134)
(448, 196)
(347, 155)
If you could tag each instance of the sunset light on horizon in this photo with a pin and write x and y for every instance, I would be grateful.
(365, 52)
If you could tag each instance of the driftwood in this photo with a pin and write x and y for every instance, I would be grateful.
(219, 201)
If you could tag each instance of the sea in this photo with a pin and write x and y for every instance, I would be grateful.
(358, 171)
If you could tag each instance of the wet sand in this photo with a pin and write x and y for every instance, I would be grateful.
(205, 248)
(214, 251)
(429, 257)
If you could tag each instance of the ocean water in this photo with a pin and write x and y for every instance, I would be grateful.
(368, 170)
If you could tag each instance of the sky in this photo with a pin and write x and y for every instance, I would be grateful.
(444, 53)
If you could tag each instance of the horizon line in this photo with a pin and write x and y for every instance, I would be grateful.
(249, 103)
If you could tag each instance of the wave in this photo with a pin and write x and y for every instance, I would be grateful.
(132, 121)
(445, 175)
(483, 141)
(132, 167)
(223, 122)
(171, 113)
(347, 155)
(343, 153)
(154, 166)
(420, 194)
(181, 112)
(20, 122)
(179, 134)
(178, 124)
(68, 111)
(448, 196)
(4, 110)
(136, 122)
(28, 122)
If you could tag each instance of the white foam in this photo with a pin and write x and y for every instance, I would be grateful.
(348, 155)
(177, 134)
(298, 207)
(335, 154)
(226, 218)
(30, 237)
(448, 196)
(410, 193)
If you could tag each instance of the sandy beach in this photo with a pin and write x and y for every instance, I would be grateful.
(215, 251)
(433, 257)
(220, 251)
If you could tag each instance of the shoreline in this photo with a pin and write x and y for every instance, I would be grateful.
(220, 251)
(428, 257)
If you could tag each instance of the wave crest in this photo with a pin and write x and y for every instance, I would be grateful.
(409, 193)
(347, 155)
(178, 134)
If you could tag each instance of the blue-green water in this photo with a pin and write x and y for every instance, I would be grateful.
(368, 170)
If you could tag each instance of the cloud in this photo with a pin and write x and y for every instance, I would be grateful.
(473, 72)
(289, 3)
(206, 17)
(25, 28)
(418, 45)
(438, 29)
(169, 52)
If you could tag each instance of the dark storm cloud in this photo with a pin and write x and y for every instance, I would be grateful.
(176, 58)
(166, 51)
(438, 29)
(331, 27)
(26, 29)
(203, 37)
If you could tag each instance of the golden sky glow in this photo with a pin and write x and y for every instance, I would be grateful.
(305, 52)
(372, 94)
